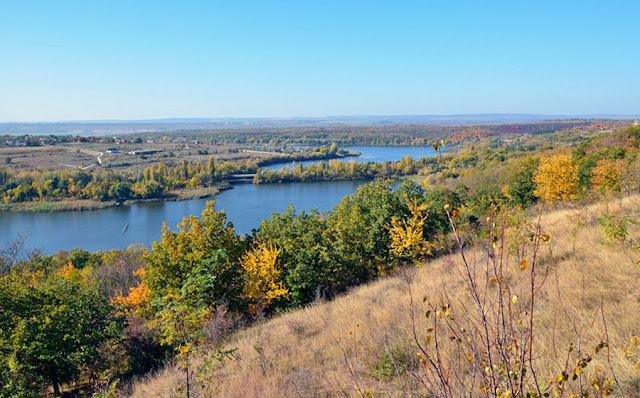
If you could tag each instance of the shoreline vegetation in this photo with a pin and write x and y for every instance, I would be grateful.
(334, 169)
(89, 204)
(174, 196)
(39, 190)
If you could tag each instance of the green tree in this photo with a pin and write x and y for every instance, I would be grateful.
(51, 332)
(181, 317)
(437, 220)
(197, 241)
(303, 252)
(120, 191)
(520, 185)
(211, 169)
(359, 237)
(82, 258)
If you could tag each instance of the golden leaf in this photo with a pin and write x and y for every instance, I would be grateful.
(523, 264)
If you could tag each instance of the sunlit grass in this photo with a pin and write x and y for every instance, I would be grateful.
(310, 352)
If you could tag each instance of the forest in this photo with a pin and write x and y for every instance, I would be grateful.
(417, 135)
(90, 324)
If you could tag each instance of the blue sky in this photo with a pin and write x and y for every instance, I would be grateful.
(83, 60)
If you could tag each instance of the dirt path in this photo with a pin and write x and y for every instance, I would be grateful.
(97, 154)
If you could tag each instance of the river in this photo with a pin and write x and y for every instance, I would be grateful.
(371, 154)
(246, 205)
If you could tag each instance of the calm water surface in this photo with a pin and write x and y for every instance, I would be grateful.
(246, 206)
(372, 154)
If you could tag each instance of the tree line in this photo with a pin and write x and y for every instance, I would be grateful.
(392, 135)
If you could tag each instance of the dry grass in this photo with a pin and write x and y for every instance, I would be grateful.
(165, 383)
(61, 205)
(47, 157)
(199, 193)
(70, 155)
(310, 352)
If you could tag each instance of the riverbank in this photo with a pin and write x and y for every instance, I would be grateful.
(344, 171)
(89, 204)
(306, 157)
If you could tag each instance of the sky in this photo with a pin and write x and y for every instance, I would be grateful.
(96, 60)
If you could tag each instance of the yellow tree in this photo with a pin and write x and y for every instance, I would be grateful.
(137, 300)
(263, 285)
(608, 175)
(556, 178)
(407, 235)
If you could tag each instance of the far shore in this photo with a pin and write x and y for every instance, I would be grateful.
(90, 204)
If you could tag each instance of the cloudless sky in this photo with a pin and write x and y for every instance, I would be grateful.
(83, 60)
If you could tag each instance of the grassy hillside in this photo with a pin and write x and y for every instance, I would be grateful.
(363, 342)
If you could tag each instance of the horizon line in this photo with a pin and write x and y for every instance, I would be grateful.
(327, 117)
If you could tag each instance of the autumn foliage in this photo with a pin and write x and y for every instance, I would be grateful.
(263, 284)
(607, 175)
(407, 235)
(556, 178)
(136, 300)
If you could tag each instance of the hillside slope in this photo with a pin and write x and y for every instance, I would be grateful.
(363, 342)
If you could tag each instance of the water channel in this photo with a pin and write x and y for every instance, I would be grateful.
(246, 205)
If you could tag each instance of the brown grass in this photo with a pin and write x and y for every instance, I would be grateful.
(75, 154)
(61, 205)
(311, 353)
(199, 193)
(47, 157)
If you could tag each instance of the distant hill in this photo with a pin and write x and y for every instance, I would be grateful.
(102, 127)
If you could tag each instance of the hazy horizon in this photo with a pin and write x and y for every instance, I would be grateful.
(516, 116)
(106, 127)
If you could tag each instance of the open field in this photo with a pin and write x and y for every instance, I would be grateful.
(341, 348)
(118, 156)
(49, 157)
